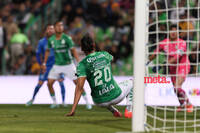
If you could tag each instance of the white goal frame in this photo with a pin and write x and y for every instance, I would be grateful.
(141, 19)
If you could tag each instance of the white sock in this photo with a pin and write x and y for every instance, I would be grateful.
(112, 109)
(54, 99)
(129, 108)
(129, 99)
(85, 97)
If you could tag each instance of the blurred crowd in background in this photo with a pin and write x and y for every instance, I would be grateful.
(109, 22)
(17, 56)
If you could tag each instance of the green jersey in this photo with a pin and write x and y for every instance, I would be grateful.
(97, 68)
(62, 49)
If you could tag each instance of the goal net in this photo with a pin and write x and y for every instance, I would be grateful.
(172, 85)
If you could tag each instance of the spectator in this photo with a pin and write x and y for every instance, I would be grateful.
(23, 16)
(5, 11)
(18, 43)
(120, 29)
(35, 67)
(108, 42)
(124, 48)
(77, 37)
(19, 67)
(79, 23)
(11, 27)
(101, 34)
(36, 8)
(126, 4)
(29, 59)
(94, 10)
(174, 15)
(131, 35)
(103, 16)
(186, 26)
(114, 51)
(115, 14)
(89, 28)
(3, 40)
(162, 31)
(100, 46)
(80, 12)
(67, 13)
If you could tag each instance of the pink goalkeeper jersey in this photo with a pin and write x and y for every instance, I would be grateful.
(175, 49)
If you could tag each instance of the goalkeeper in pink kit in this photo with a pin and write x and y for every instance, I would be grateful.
(179, 64)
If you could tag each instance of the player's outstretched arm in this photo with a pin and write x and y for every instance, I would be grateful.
(78, 92)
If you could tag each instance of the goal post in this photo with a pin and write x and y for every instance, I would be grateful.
(139, 65)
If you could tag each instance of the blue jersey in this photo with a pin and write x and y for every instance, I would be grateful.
(42, 46)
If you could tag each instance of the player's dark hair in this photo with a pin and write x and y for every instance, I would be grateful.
(174, 26)
(44, 28)
(49, 24)
(58, 21)
(87, 43)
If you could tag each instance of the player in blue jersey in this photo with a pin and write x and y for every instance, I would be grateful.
(40, 53)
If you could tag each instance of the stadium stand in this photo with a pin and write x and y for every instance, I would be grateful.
(107, 21)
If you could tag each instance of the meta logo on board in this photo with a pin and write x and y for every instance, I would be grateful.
(155, 80)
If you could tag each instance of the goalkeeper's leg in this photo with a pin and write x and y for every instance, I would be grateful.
(177, 82)
(182, 97)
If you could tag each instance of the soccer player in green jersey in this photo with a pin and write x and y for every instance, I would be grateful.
(63, 47)
(96, 68)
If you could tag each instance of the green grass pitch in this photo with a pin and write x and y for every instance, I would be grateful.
(42, 119)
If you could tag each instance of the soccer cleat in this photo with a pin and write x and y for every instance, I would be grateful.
(189, 108)
(52, 106)
(29, 103)
(117, 114)
(88, 106)
(127, 114)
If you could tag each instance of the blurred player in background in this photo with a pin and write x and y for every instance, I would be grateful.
(179, 64)
(63, 47)
(40, 53)
(96, 68)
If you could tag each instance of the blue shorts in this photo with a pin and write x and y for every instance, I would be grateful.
(44, 76)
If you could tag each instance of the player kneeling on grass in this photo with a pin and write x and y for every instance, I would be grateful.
(96, 68)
